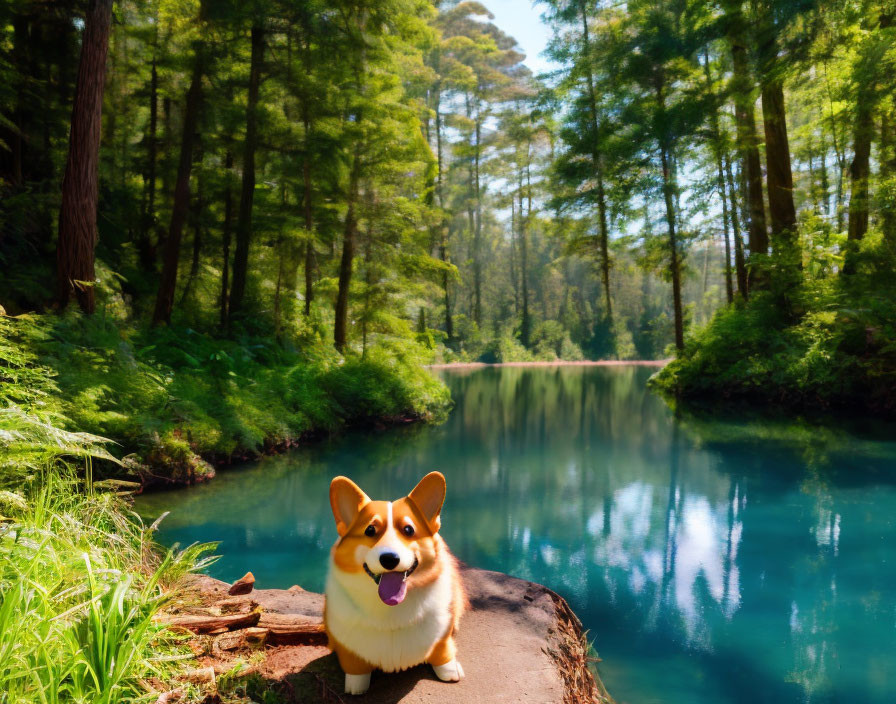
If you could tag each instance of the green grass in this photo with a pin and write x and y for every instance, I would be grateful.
(80, 577)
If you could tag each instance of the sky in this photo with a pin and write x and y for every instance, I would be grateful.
(521, 19)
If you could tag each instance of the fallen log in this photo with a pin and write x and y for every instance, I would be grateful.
(207, 624)
(292, 629)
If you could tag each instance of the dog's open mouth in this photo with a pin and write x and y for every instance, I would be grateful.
(392, 587)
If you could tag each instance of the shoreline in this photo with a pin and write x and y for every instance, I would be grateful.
(658, 363)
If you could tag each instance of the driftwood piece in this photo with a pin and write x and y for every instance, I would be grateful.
(206, 624)
(292, 629)
(244, 585)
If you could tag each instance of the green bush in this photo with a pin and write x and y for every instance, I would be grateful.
(831, 341)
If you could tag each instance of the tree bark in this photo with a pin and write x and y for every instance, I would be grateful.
(247, 193)
(306, 205)
(781, 209)
(226, 235)
(740, 266)
(443, 224)
(477, 233)
(180, 207)
(145, 249)
(77, 214)
(748, 146)
(597, 159)
(669, 188)
(196, 216)
(715, 126)
(340, 327)
(525, 320)
(888, 157)
(859, 173)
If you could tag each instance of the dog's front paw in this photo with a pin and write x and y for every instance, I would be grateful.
(451, 671)
(357, 684)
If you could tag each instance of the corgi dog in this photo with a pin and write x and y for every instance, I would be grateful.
(393, 593)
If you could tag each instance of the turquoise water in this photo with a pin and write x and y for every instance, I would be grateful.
(713, 559)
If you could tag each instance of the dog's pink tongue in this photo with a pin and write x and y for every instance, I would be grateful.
(393, 588)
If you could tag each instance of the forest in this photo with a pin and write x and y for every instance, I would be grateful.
(227, 227)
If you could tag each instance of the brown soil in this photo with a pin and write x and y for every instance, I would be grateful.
(520, 642)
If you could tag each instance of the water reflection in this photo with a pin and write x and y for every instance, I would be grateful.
(713, 559)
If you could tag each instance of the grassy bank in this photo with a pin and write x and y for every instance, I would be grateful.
(80, 578)
(174, 400)
(830, 343)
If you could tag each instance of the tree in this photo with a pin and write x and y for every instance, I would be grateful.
(77, 214)
(171, 256)
(247, 190)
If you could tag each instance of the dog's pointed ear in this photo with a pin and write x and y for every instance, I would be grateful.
(428, 496)
(346, 500)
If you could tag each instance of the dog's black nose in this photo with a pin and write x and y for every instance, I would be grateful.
(389, 560)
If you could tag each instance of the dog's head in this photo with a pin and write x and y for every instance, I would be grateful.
(389, 540)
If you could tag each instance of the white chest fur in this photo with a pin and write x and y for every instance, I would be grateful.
(391, 637)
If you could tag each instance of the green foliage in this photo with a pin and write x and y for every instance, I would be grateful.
(838, 351)
(80, 579)
(172, 395)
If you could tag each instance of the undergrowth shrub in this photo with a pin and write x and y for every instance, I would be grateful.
(80, 577)
(832, 344)
(170, 394)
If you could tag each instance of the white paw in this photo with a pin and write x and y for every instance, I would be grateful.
(451, 671)
(357, 684)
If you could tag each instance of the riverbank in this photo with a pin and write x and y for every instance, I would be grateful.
(833, 350)
(557, 363)
(177, 402)
(519, 641)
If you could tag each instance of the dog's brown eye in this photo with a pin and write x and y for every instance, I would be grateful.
(408, 530)
(370, 531)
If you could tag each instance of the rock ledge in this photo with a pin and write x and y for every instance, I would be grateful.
(520, 642)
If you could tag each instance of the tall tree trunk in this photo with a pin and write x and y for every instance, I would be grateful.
(77, 214)
(669, 189)
(145, 249)
(340, 327)
(525, 320)
(196, 216)
(477, 233)
(740, 266)
(443, 224)
(247, 193)
(514, 279)
(226, 235)
(748, 146)
(720, 179)
(306, 206)
(888, 157)
(839, 155)
(180, 207)
(859, 173)
(674, 257)
(726, 219)
(597, 158)
(781, 209)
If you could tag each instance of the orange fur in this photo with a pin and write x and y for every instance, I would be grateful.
(355, 513)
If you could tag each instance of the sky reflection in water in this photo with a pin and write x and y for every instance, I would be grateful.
(714, 560)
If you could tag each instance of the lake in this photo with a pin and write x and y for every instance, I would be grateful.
(713, 558)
